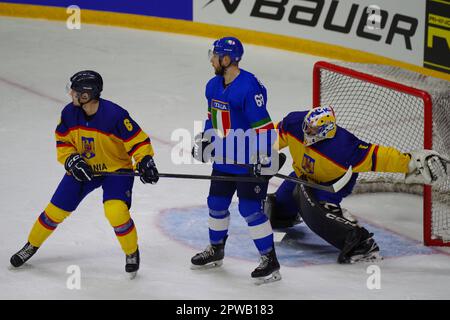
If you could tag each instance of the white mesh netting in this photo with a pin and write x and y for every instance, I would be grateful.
(389, 117)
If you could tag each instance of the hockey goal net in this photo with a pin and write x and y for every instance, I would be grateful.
(393, 107)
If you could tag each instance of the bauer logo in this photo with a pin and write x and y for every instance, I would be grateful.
(229, 5)
(389, 28)
(437, 36)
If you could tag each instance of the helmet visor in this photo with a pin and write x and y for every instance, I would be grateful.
(68, 87)
(212, 54)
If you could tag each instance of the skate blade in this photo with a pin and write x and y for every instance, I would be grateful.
(132, 275)
(275, 276)
(373, 257)
(210, 265)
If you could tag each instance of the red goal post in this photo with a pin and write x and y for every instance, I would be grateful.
(374, 103)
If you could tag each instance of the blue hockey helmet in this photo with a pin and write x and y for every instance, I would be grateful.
(228, 46)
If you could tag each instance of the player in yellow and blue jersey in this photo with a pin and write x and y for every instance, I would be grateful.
(322, 152)
(95, 135)
(238, 129)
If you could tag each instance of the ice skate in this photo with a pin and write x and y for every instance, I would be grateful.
(365, 251)
(132, 264)
(268, 269)
(211, 257)
(23, 255)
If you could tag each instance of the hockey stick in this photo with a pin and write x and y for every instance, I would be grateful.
(184, 176)
(333, 188)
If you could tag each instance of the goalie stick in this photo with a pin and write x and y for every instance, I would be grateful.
(333, 188)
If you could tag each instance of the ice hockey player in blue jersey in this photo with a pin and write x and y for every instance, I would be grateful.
(238, 130)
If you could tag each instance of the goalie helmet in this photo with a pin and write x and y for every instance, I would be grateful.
(87, 81)
(228, 46)
(319, 124)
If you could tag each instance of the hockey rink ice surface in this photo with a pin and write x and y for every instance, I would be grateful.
(160, 78)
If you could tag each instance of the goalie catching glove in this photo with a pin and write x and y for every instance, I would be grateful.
(427, 167)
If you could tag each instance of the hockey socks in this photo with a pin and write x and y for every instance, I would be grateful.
(47, 222)
(116, 211)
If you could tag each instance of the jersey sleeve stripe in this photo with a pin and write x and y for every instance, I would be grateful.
(261, 123)
(137, 146)
(268, 126)
(60, 144)
(132, 137)
(374, 158)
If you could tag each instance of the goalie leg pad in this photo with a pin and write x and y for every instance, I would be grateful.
(329, 225)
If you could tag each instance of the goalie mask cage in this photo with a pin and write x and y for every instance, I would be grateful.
(398, 108)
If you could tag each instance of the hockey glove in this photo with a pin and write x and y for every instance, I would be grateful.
(78, 168)
(200, 150)
(147, 170)
(426, 166)
(267, 166)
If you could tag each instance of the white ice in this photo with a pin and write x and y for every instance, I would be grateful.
(159, 78)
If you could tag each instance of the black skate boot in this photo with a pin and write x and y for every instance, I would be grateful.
(211, 257)
(23, 255)
(268, 269)
(132, 264)
(357, 250)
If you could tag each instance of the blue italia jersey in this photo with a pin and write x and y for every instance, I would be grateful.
(235, 111)
(108, 140)
(328, 160)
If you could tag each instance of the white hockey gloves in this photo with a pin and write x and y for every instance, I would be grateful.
(426, 167)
